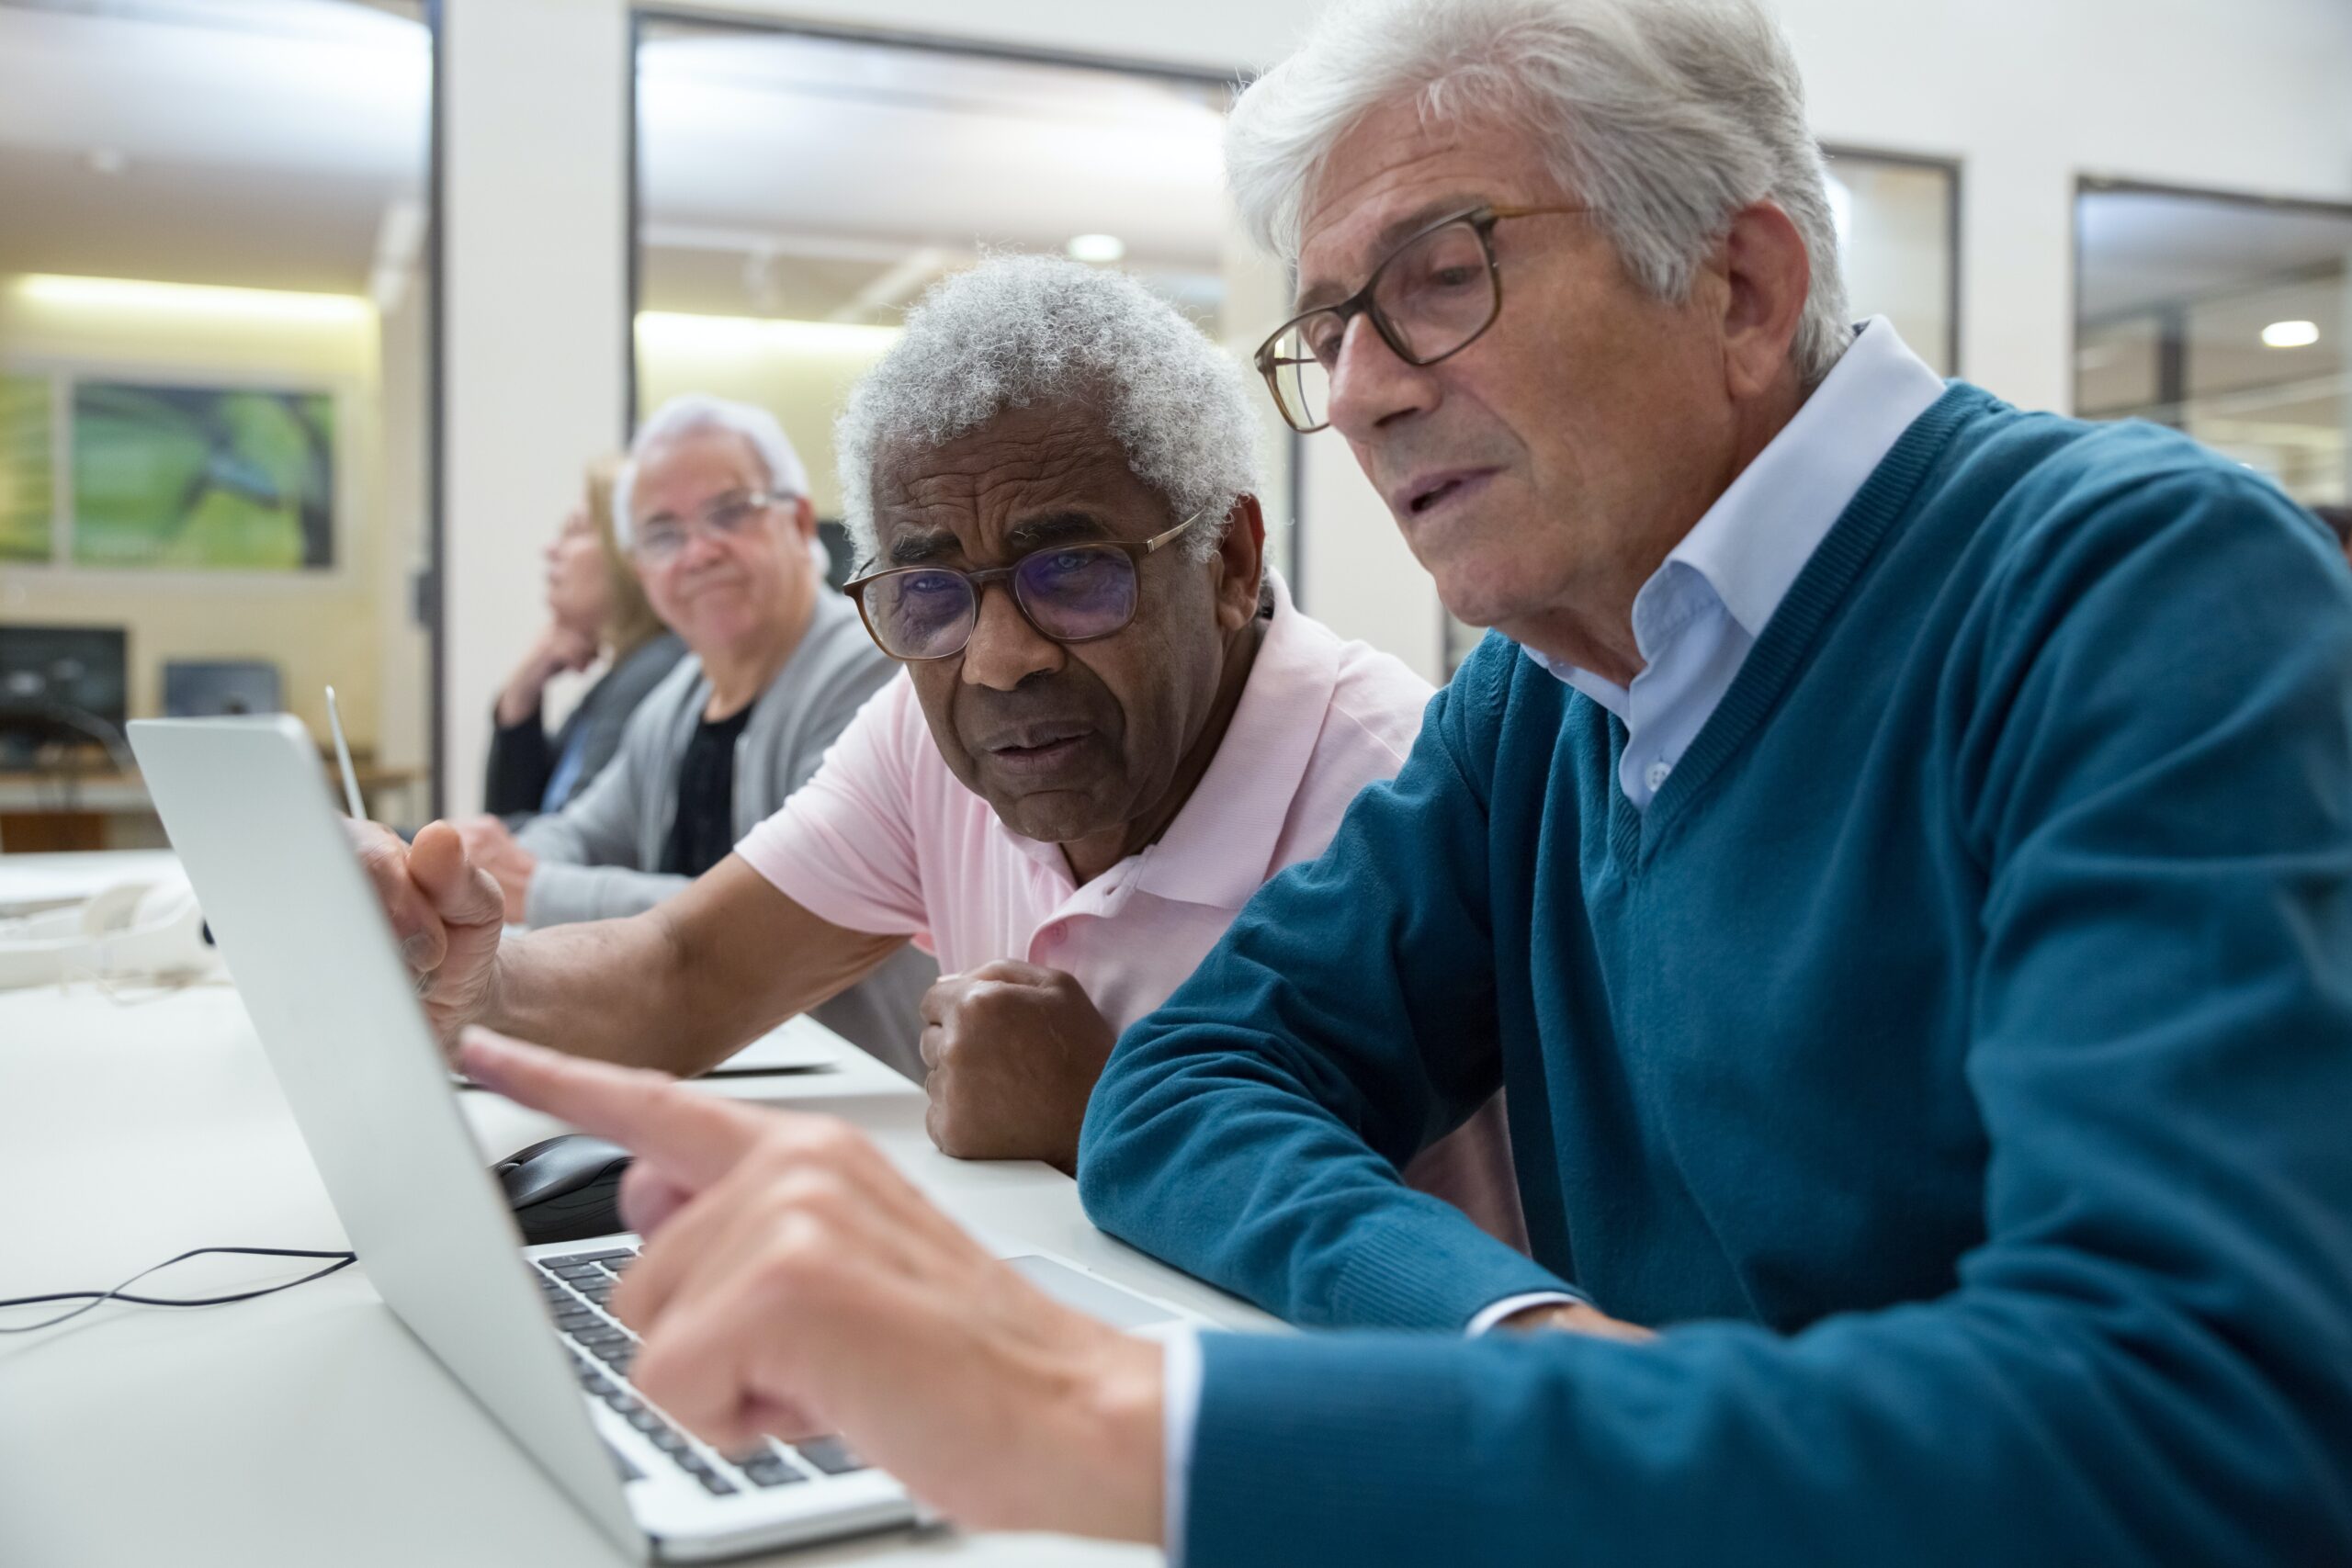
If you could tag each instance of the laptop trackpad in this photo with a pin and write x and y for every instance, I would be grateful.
(1096, 1298)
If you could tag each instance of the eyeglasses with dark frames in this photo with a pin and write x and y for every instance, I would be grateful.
(1432, 296)
(1075, 593)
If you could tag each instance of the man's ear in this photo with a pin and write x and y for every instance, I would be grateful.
(1769, 274)
(804, 516)
(1241, 559)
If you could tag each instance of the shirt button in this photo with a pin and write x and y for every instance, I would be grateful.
(1655, 777)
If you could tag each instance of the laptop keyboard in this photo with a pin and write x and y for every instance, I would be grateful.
(578, 1289)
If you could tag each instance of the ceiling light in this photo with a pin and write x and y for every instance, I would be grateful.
(2290, 334)
(191, 298)
(108, 161)
(1097, 247)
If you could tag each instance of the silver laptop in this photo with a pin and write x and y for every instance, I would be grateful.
(524, 1330)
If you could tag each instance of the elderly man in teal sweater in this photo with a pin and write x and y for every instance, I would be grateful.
(1895, 852)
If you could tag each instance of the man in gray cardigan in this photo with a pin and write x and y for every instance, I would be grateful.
(600, 856)
(712, 508)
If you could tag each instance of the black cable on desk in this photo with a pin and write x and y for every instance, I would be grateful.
(119, 1294)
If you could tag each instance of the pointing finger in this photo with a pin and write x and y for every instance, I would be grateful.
(649, 1198)
(692, 1139)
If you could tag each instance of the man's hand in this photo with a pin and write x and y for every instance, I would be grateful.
(1575, 1317)
(490, 846)
(445, 914)
(793, 1282)
(558, 648)
(1011, 1052)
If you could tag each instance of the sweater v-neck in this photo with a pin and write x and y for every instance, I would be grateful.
(1820, 587)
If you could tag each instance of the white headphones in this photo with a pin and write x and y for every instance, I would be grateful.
(133, 930)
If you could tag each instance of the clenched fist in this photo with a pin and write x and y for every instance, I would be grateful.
(1011, 1052)
(446, 913)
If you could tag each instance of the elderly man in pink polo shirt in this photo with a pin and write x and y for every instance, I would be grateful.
(1113, 728)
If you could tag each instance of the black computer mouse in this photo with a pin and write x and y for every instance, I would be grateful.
(565, 1188)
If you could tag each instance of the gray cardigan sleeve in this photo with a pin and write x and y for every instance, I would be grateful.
(562, 895)
(588, 851)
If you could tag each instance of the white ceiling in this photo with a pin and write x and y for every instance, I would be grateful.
(251, 142)
(783, 174)
(743, 129)
(266, 141)
(2138, 248)
(263, 141)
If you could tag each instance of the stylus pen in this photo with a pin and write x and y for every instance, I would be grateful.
(343, 760)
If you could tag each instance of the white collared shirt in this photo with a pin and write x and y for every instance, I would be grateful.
(1701, 612)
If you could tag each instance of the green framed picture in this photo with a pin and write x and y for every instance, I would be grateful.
(202, 479)
(27, 484)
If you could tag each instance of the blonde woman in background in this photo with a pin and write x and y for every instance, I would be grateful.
(596, 609)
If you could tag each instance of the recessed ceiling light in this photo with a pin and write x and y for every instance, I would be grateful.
(2290, 334)
(1097, 247)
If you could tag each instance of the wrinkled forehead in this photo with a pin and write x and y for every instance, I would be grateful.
(677, 475)
(1027, 477)
(1396, 171)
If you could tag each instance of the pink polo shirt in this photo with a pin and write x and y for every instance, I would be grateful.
(885, 839)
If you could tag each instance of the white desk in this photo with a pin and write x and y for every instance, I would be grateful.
(29, 882)
(310, 1427)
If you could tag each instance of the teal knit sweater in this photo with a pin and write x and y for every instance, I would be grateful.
(1955, 1060)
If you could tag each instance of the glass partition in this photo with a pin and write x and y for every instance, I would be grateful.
(796, 191)
(212, 389)
(2223, 316)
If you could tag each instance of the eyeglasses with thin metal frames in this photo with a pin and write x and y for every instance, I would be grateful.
(662, 536)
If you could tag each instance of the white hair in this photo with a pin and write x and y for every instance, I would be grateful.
(1666, 117)
(693, 412)
(1022, 329)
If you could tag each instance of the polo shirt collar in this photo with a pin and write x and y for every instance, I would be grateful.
(1221, 846)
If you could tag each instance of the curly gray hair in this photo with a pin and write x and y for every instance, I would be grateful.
(1666, 115)
(1021, 330)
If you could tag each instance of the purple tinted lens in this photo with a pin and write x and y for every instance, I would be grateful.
(920, 615)
(1084, 591)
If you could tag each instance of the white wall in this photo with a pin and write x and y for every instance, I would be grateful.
(404, 706)
(2237, 94)
(2248, 94)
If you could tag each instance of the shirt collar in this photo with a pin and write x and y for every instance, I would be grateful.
(1750, 545)
(1758, 536)
(1217, 849)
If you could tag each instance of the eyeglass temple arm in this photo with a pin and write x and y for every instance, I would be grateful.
(1159, 539)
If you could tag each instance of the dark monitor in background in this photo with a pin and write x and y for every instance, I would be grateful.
(58, 684)
(209, 688)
